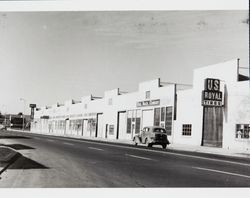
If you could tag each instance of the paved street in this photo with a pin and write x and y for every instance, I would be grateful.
(49, 161)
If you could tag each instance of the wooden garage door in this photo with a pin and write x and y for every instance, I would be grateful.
(212, 126)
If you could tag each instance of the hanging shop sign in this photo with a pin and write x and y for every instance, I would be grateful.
(148, 103)
(211, 95)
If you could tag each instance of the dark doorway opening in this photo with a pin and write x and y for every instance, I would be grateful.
(212, 126)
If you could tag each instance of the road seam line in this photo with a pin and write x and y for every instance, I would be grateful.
(223, 172)
(50, 140)
(139, 157)
(95, 148)
(68, 143)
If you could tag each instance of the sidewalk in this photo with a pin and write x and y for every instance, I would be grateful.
(179, 147)
(7, 157)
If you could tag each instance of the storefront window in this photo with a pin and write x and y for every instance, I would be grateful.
(242, 131)
(186, 129)
(157, 117)
(111, 129)
(129, 121)
(91, 125)
(134, 121)
(137, 125)
(163, 112)
(169, 118)
(147, 95)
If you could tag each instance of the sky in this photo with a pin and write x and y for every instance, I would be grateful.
(49, 57)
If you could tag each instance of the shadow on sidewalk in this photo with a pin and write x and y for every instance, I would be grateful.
(26, 163)
(13, 137)
(17, 146)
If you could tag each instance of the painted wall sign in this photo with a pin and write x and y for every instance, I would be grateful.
(148, 103)
(212, 96)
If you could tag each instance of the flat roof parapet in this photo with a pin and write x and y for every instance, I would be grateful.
(95, 97)
(59, 104)
(179, 86)
(76, 101)
(147, 85)
(122, 92)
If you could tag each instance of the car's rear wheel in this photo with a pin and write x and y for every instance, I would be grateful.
(136, 141)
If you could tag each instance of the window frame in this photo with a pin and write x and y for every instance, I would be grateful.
(147, 95)
(186, 130)
(245, 131)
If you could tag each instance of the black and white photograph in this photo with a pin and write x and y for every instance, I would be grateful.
(124, 98)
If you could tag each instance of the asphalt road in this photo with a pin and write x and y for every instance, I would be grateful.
(50, 161)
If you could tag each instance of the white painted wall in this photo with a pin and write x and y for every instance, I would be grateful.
(236, 110)
(189, 108)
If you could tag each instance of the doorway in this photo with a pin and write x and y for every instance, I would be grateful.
(99, 125)
(212, 126)
(121, 123)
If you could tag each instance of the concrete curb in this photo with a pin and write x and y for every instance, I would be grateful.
(11, 156)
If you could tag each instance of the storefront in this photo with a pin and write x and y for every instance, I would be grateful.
(220, 106)
(215, 111)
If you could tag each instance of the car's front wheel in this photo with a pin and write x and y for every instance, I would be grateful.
(148, 143)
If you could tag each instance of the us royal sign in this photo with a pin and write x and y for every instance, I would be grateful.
(211, 95)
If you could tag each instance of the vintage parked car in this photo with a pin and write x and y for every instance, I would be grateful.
(152, 135)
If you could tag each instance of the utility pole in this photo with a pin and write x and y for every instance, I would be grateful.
(24, 103)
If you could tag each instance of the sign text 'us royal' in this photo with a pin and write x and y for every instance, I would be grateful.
(211, 95)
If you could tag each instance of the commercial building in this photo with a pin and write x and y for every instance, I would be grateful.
(215, 111)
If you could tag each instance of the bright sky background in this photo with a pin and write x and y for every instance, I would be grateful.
(49, 57)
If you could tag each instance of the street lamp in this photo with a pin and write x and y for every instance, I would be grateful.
(24, 104)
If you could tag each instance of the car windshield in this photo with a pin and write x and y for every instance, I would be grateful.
(159, 130)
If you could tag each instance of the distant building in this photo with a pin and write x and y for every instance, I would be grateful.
(16, 121)
(214, 111)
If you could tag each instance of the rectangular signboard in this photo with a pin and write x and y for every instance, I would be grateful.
(212, 84)
(148, 103)
(212, 103)
(211, 95)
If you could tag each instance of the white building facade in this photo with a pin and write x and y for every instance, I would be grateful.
(215, 111)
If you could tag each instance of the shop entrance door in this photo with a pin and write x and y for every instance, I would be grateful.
(99, 125)
(66, 131)
(121, 124)
(85, 127)
(147, 118)
(212, 126)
